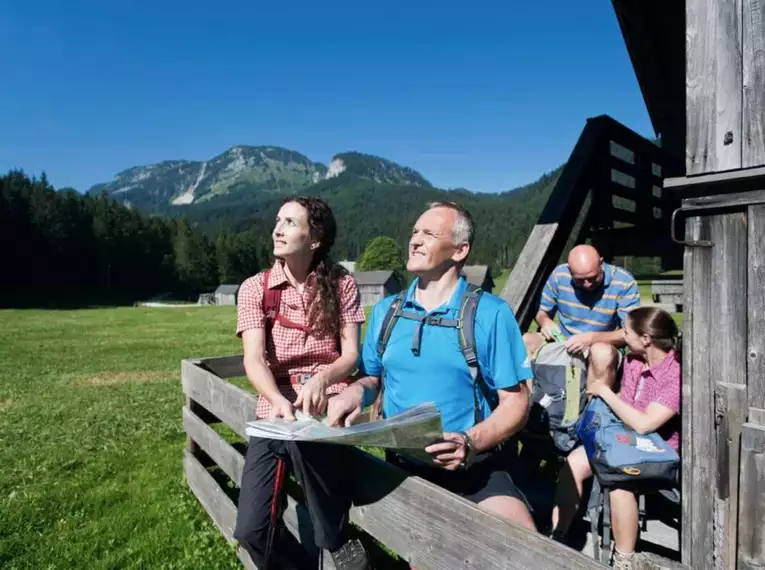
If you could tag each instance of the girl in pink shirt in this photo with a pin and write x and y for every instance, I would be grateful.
(649, 401)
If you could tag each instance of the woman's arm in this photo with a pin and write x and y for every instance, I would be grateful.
(260, 375)
(643, 422)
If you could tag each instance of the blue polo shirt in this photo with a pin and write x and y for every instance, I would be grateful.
(599, 311)
(440, 374)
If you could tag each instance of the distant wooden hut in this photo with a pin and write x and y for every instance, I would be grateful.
(226, 294)
(376, 285)
(479, 275)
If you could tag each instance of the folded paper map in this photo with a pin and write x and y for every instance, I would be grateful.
(413, 429)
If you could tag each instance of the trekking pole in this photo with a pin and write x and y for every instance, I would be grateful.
(278, 486)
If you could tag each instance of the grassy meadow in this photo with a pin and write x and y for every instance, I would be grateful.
(91, 439)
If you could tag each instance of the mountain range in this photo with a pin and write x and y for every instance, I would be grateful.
(241, 189)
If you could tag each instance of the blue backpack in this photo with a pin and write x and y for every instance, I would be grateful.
(621, 457)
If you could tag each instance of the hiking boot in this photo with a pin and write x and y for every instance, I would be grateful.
(351, 556)
(622, 561)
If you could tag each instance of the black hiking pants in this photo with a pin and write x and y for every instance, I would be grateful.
(319, 468)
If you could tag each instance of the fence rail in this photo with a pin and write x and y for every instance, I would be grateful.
(425, 525)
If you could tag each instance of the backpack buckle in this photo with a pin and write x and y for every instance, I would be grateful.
(433, 320)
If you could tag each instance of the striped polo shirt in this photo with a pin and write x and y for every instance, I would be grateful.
(598, 311)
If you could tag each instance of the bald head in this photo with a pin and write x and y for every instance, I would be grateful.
(586, 267)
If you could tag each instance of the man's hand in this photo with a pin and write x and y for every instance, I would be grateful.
(313, 396)
(449, 453)
(549, 330)
(579, 343)
(345, 407)
(281, 408)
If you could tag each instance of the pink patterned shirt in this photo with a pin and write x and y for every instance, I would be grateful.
(295, 351)
(662, 384)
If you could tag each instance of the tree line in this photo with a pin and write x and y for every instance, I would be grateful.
(67, 246)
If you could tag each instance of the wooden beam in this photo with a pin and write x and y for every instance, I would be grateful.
(754, 83)
(713, 86)
(756, 307)
(428, 526)
(699, 392)
(692, 232)
(751, 543)
(730, 411)
(224, 366)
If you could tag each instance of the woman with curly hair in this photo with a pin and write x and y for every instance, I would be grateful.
(296, 356)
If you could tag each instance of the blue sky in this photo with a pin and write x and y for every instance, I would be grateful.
(487, 97)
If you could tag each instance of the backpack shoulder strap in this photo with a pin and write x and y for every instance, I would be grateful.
(391, 316)
(466, 332)
(272, 299)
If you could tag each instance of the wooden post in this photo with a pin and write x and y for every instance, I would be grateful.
(730, 415)
(698, 417)
(753, 111)
(692, 231)
(756, 307)
(713, 85)
(751, 542)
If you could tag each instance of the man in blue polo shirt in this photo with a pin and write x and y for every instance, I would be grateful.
(471, 460)
(592, 299)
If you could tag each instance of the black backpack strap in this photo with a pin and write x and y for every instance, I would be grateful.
(466, 332)
(394, 312)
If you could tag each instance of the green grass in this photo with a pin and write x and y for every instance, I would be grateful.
(91, 439)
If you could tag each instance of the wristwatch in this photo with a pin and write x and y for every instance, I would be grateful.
(469, 450)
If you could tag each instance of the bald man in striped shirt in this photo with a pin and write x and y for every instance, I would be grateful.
(592, 299)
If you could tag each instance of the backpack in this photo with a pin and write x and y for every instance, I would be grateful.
(558, 395)
(621, 457)
(465, 325)
(272, 300)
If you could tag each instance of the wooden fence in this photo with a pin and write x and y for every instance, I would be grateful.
(425, 525)
(723, 412)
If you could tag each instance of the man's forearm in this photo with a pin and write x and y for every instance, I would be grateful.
(615, 338)
(505, 421)
(542, 318)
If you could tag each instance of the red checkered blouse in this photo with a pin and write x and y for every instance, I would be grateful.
(294, 351)
(662, 383)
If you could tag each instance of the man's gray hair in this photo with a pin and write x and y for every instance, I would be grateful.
(464, 229)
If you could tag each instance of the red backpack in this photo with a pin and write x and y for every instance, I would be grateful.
(272, 299)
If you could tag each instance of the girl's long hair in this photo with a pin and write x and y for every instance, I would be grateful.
(326, 297)
(660, 326)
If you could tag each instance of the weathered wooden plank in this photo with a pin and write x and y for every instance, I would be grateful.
(756, 416)
(729, 233)
(713, 86)
(756, 307)
(751, 542)
(753, 111)
(692, 232)
(224, 454)
(730, 410)
(700, 395)
(428, 526)
(230, 403)
(225, 366)
(718, 180)
(649, 561)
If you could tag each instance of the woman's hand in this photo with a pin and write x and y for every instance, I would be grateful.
(312, 398)
(281, 408)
